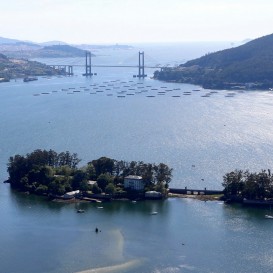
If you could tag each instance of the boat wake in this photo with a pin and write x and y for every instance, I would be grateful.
(114, 268)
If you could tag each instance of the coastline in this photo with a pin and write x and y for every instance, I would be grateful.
(215, 197)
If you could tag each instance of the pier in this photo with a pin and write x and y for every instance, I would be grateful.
(187, 191)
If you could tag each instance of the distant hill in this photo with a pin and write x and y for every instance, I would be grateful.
(59, 51)
(50, 43)
(53, 49)
(28, 51)
(102, 47)
(250, 64)
(8, 41)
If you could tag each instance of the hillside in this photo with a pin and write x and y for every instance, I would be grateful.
(248, 65)
(18, 68)
(28, 50)
(52, 49)
(4, 40)
(59, 51)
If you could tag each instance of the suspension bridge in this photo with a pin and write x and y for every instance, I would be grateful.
(68, 68)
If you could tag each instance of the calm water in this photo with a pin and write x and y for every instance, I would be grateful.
(200, 137)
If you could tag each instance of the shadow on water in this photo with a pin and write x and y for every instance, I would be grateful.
(24, 200)
(249, 213)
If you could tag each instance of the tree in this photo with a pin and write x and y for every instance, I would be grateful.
(250, 189)
(163, 174)
(17, 169)
(147, 173)
(110, 188)
(233, 182)
(103, 165)
(65, 158)
(96, 189)
(91, 171)
(56, 187)
(161, 187)
(103, 180)
(79, 177)
(41, 189)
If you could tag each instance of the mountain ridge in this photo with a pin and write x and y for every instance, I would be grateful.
(248, 65)
(53, 49)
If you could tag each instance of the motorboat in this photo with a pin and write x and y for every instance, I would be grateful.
(29, 79)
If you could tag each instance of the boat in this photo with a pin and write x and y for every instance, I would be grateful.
(153, 213)
(29, 79)
(80, 211)
(268, 216)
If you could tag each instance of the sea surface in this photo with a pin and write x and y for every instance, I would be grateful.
(201, 134)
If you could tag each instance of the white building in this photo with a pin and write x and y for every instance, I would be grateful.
(134, 182)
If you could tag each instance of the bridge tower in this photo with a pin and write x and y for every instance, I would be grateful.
(141, 73)
(70, 70)
(88, 64)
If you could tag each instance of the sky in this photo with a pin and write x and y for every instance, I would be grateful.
(131, 21)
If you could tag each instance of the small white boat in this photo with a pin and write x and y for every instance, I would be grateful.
(268, 216)
(100, 207)
(80, 211)
(153, 213)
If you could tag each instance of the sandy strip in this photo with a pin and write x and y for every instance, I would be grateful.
(114, 268)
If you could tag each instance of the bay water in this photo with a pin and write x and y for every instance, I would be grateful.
(201, 134)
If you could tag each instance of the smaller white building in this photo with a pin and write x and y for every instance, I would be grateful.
(153, 194)
(91, 182)
(134, 182)
(71, 194)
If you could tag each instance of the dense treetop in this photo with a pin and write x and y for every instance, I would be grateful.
(244, 184)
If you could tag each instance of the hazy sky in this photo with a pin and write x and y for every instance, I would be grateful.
(131, 21)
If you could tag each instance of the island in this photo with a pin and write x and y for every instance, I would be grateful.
(57, 51)
(248, 66)
(249, 188)
(57, 176)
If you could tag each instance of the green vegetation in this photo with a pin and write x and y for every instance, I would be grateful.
(18, 68)
(58, 51)
(50, 173)
(253, 186)
(246, 66)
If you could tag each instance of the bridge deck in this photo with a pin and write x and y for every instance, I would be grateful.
(102, 65)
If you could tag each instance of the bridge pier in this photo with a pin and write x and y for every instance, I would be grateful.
(70, 70)
(141, 73)
(88, 71)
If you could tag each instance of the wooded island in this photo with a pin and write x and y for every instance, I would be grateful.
(54, 174)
